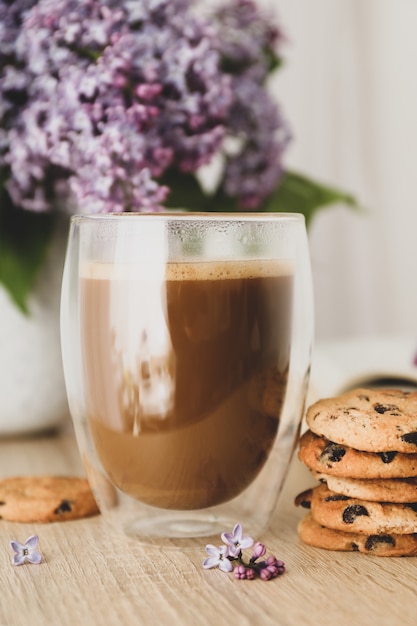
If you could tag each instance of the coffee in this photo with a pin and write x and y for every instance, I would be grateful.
(185, 373)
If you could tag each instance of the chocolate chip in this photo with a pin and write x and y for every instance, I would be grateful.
(337, 498)
(332, 453)
(304, 499)
(410, 438)
(412, 506)
(374, 540)
(387, 457)
(355, 546)
(383, 408)
(1, 503)
(352, 512)
(64, 507)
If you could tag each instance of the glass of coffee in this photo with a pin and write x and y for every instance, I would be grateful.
(186, 342)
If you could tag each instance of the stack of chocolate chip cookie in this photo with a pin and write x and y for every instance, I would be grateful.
(362, 447)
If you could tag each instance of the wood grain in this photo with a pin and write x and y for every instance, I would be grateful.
(89, 576)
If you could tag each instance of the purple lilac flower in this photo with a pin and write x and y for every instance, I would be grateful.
(244, 573)
(236, 541)
(11, 17)
(248, 39)
(248, 36)
(271, 568)
(217, 558)
(12, 79)
(100, 98)
(26, 551)
(115, 93)
(259, 549)
(230, 553)
(254, 172)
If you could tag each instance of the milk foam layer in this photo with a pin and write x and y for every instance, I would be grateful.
(188, 270)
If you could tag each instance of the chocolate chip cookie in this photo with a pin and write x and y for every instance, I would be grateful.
(321, 455)
(371, 420)
(387, 544)
(340, 512)
(45, 499)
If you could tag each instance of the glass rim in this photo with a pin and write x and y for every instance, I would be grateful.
(190, 216)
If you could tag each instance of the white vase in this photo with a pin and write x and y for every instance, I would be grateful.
(32, 389)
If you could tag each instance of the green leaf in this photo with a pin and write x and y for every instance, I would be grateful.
(187, 194)
(185, 191)
(295, 194)
(298, 194)
(219, 202)
(274, 62)
(24, 239)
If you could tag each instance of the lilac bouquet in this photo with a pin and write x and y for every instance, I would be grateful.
(124, 105)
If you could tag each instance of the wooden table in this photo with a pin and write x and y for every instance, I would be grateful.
(90, 577)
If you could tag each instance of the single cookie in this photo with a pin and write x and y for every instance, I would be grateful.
(313, 534)
(372, 420)
(45, 499)
(396, 490)
(321, 455)
(340, 512)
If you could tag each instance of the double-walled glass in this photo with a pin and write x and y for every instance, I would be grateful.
(186, 343)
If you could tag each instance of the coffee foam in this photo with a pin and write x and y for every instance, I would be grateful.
(189, 270)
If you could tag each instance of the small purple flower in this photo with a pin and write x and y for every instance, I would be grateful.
(244, 573)
(250, 573)
(217, 558)
(26, 551)
(271, 568)
(236, 541)
(259, 549)
(265, 574)
(240, 572)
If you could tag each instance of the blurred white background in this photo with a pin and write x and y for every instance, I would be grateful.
(349, 91)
